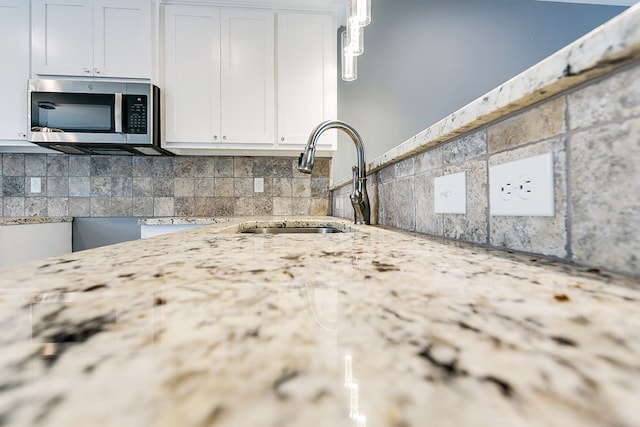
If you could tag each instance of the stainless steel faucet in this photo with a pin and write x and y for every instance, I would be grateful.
(359, 197)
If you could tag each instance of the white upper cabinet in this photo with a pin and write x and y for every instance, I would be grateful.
(307, 82)
(228, 87)
(192, 74)
(248, 76)
(100, 38)
(14, 72)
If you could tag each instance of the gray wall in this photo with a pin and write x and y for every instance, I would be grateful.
(425, 59)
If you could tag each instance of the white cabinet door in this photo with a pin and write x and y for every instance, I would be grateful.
(307, 83)
(62, 37)
(248, 76)
(122, 38)
(102, 38)
(192, 74)
(14, 73)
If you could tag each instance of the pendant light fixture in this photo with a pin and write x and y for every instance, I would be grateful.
(358, 16)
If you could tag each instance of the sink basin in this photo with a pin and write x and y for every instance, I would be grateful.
(287, 230)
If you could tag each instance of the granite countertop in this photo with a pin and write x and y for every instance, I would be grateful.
(370, 327)
(34, 220)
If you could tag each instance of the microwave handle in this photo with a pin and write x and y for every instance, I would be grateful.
(118, 112)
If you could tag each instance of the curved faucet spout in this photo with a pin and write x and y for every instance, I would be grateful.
(359, 197)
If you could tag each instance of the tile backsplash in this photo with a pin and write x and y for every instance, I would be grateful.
(137, 186)
(593, 132)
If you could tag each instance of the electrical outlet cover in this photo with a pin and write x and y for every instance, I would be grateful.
(450, 193)
(522, 187)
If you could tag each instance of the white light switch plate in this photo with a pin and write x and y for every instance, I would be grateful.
(36, 185)
(450, 193)
(522, 187)
(258, 185)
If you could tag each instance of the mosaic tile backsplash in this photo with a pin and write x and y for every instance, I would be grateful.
(136, 186)
(593, 132)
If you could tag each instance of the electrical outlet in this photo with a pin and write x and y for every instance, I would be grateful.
(523, 187)
(450, 193)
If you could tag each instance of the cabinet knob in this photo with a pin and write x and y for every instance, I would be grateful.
(224, 137)
(96, 71)
(215, 137)
(282, 138)
(86, 70)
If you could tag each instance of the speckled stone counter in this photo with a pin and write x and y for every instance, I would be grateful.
(34, 220)
(369, 327)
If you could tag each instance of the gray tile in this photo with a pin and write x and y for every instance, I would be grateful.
(204, 206)
(13, 186)
(244, 206)
(13, 206)
(79, 206)
(263, 167)
(57, 165)
(224, 167)
(184, 167)
(13, 165)
(121, 186)
(100, 166)
(223, 206)
(163, 166)
(57, 206)
(121, 206)
(100, 186)
(282, 206)
(163, 206)
(203, 187)
(405, 214)
(405, 167)
(321, 168)
(163, 187)
(429, 160)
(142, 187)
(282, 167)
(35, 206)
(282, 187)
(465, 148)
(35, 164)
(57, 186)
(184, 206)
(79, 186)
(142, 206)
(301, 187)
(615, 98)
(204, 166)
(427, 221)
(605, 196)
(242, 167)
(142, 166)
(100, 206)
(263, 205)
(79, 165)
(184, 187)
(223, 187)
(300, 206)
(243, 187)
(122, 166)
(320, 187)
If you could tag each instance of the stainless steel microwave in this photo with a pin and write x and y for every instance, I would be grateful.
(95, 117)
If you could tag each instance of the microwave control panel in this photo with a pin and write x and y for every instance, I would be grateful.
(135, 114)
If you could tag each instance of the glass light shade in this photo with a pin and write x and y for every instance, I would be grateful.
(355, 37)
(349, 61)
(361, 12)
